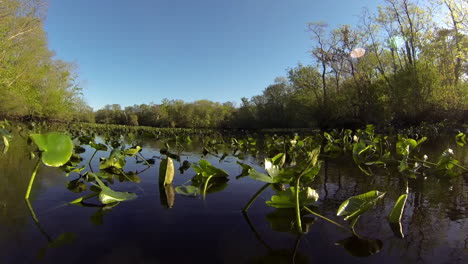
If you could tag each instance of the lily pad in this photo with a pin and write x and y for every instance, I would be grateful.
(166, 171)
(286, 199)
(187, 190)
(397, 211)
(132, 151)
(107, 195)
(357, 205)
(115, 160)
(56, 148)
(205, 169)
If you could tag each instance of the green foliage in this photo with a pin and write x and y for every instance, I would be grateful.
(56, 148)
(116, 160)
(32, 82)
(166, 171)
(461, 139)
(108, 196)
(397, 211)
(357, 205)
(205, 169)
(187, 190)
(286, 199)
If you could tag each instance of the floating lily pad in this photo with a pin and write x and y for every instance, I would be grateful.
(287, 199)
(187, 190)
(56, 148)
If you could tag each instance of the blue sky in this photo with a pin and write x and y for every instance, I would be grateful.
(141, 51)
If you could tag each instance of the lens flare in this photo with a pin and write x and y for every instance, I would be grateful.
(357, 53)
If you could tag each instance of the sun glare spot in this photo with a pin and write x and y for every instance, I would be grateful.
(357, 53)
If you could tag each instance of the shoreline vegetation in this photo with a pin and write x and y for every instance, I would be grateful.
(398, 67)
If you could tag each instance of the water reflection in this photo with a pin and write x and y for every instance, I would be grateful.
(434, 222)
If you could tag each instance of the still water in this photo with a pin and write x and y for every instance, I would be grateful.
(214, 230)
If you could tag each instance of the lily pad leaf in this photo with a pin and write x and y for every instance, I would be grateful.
(286, 199)
(259, 176)
(132, 151)
(187, 190)
(357, 205)
(245, 170)
(205, 169)
(116, 160)
(107, 195)
(397, 211)
(57, 148)
(166, 171)
(98, 146)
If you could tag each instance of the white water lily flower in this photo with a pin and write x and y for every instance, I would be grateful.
(425, 157)
(450, 151)
(312, 194)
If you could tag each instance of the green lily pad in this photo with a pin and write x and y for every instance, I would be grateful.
(287, 199)
(115, 160)
(205, 169)
(166, 171)
(397, 211)
(107, 195)
(357, 205)
(187, 190)
(132, 151)
(56, 148)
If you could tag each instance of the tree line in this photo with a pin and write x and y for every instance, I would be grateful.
(401, 65)
(32, 82)
(414, 69)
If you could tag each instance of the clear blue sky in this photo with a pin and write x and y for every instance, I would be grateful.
(141, 51)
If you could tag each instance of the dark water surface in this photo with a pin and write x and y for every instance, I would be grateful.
(215, 230)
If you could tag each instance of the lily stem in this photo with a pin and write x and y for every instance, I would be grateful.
(141, 157)
(205, 186)
(89, 162)
(298, 210)
(323, 217)
(254, 197)
(31, 181)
